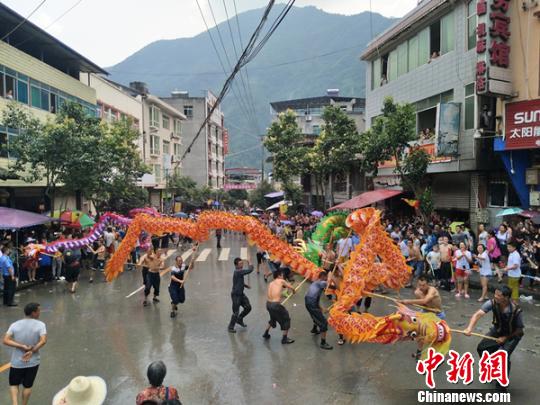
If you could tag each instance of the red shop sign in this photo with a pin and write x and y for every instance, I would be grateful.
(523, 125)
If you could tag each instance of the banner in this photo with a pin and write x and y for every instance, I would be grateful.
(239, 186)
(447, 129)
(522, 125)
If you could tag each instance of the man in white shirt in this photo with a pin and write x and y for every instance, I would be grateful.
(513, 267)
(345, 246)
(434, 260)
(26, 337)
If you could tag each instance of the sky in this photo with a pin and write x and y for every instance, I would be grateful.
(108, 31)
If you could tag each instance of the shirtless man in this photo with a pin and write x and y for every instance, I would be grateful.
(328, 258)
(446, 250)
(427, 296)
(153, 263)
(278, 313)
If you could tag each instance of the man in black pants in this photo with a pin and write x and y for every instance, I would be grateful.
(8, 273)
(312, 299)
(507, 323)
(278, 313)
(153, 263)
(239, 299)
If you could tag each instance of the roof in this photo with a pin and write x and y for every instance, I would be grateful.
(32, 40)
(425, 8)
(367, 198)
(165, 106)
(315, 102)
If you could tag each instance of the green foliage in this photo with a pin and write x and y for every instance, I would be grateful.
(414, 167)
(182, 186)
(389, 136)
(285, 142)
(293, 193)
(78, 152)
(256, 197)
(426, 202)
(236, 195)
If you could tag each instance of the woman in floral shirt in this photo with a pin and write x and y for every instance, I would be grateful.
(157, 391)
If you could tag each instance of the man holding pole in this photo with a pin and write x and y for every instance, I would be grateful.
(278, 313)
(239, 299)
(312, 300)
(507, 323)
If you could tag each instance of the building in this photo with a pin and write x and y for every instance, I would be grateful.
(205, 158)
(40, 73)
(437, 57)
(242, 178)
(161, 141)
(309, 119)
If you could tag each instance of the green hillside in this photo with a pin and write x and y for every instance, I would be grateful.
(293, 64)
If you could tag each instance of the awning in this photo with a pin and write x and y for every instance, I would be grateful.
(275, 194)
(277, 205)
(15, 219)
(365, 199)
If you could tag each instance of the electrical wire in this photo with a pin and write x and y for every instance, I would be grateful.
(52, 23)
(23, 21)
(230, 79)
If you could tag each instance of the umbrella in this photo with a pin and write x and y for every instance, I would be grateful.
(317, 214)
(74, 219)
(454, 225)
(15, 219)
(509, 211)
(255, 214)
(529, 214)
(180, 215)
(286, 222)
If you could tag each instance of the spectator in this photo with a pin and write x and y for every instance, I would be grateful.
(483, 235)
(463, 270)
(26, 337)
(82, 391)
(503, 237)
(8, 274)
(484, 270)
(157, 391)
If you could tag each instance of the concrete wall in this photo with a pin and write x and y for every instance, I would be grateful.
(451, 71)
(35, 69)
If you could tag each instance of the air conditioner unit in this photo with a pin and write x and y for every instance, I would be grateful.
(534, 198)
(308, 118)
(532, 177)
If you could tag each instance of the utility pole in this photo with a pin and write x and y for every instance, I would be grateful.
(262, 158)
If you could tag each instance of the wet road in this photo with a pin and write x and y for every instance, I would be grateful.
(98, 331)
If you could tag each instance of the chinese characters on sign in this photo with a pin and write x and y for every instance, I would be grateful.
(239, 186)
(491, 43)
(491, 367)
(523, 125)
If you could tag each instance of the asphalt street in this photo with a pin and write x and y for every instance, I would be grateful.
(104, 330)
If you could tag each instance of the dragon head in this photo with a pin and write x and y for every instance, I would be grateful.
(407, 324)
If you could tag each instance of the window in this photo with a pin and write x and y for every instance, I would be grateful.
(154, 116)
(502, 194)
(166, 148)
(177, 127)
(154, 145)
(166, 122)
(316, 130)
(53, 103)
(22, 91)
(423, 46)
(10, 87)
(3, 145)
(471, 24)
(340, 182)
(36, 96)
(2, 85)
(435, 39)
(376, 73)
(403, 63)
(157, 172)
(188, 111)
(393, 65)
(177, 152)
(413, 53)
(469, 106)
(447, 33)
(45, 100)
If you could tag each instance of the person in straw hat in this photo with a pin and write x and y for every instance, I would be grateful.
(82, 391)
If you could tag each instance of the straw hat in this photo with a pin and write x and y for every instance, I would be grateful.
(82, 391)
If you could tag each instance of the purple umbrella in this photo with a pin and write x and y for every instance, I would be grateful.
(16, 219)
(287, 222)
(317, 214)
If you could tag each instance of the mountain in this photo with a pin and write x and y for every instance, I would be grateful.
(310, 52)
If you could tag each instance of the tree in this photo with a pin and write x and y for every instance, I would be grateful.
(257, 199)
(336, 148)
(184, 187)
(78, 152)
(286, 143)
(392, 137)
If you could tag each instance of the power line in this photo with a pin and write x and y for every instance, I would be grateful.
(241, 101)
(23, 21)
(52, 23)
(228, 82)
